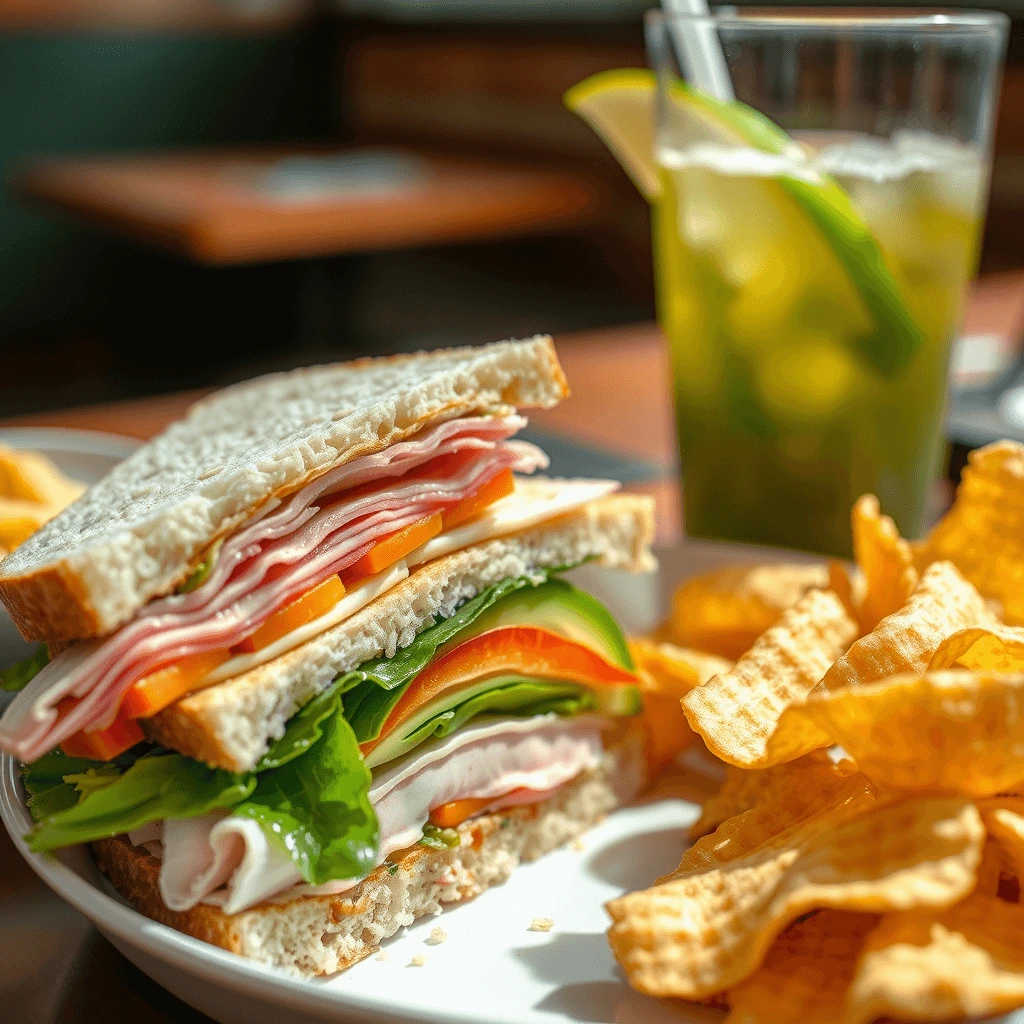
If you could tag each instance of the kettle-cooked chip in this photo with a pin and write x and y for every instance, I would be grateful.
(1003, 818)
(940, 605)
(983, 533)
(667, 673)
(708, 925)
(990, 869)
(32, 491)
(847, 583)
(884, 558)
(967, 960)
(956, 731)
(736, 712)
(725, 611)
(805, 974)
(806, 778)
(982, 648)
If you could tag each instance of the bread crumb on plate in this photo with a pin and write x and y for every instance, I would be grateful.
(436, 937)
(418, 960)
(541, 924)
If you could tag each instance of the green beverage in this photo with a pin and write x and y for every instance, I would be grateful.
(817, 181)
(800, 381)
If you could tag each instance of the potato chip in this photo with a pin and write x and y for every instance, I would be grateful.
(847, 583)
(724, 612)
(32, 491)
(31, 477)
(941, 604)
(667, 673)
(967, 960)
(983, 533)
(982, 648)
(708, 925)
(810, 775)
(736, 712)
(805, 974)
(990, 869)
(1003, 818)
(955, 731)
(884, 558)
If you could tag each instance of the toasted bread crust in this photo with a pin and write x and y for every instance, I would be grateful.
(136, 534)
(315, 935)
(51, 595)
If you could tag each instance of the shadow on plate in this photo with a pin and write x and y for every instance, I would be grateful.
(635, 862)
(612, 1002)
(571, 959)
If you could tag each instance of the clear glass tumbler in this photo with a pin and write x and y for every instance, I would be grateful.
(814, 239)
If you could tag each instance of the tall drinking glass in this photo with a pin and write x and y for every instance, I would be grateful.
(814, 239)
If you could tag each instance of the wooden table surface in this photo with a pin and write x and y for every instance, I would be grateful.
(56, 968)
(255, 207)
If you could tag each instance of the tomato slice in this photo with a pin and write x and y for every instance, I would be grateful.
(526, 650)
(104, 744)
(317, 601)
(389, 550)
(497, 487)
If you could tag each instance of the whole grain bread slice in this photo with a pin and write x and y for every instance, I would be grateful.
(136, 534)
(317, 935)
(232, 724)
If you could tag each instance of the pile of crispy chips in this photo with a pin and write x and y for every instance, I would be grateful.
(32, 491)
(864, 855)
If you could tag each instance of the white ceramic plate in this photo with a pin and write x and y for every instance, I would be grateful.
(491, 969)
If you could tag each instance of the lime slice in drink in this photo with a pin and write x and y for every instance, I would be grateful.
(619, 105)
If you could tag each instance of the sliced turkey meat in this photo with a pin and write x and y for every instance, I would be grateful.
(227, 860)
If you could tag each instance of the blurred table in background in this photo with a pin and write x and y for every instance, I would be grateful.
(240, 207)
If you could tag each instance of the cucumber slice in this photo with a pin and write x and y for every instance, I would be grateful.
(560, 608)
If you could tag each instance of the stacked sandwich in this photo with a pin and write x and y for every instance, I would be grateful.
(310, 666)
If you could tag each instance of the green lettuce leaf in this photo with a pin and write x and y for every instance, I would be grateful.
(157, 786)
(316, 808)
(439, 838)
(304, 728)
(201, 573)
(21, 673)
(521, 699)
(44, 782)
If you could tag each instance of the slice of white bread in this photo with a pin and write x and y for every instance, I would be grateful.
(136, 533)
(323, 934)
(230, 725)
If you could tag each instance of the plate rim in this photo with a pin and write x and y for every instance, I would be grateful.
(72, 439)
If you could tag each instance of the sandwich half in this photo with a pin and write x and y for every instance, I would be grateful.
(311, 668)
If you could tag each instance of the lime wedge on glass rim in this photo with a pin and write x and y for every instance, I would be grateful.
(620, 106)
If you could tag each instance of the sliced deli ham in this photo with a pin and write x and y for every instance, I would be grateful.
(289, 547)
(227, 860)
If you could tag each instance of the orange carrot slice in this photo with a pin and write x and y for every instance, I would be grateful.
(496, 488)
(163, 687)
(311, 605)
(389, 550)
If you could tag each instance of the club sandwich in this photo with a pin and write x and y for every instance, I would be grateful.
(309, 664)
